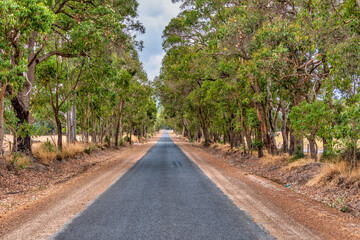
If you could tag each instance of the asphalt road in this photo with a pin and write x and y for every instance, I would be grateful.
(163, 196)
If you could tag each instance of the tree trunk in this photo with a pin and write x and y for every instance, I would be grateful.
(93, 134)
(325, 147)
(231, 132)
(242, 140)
(260, 147)
(120, 127)
(312, 143)
(59, 133)
(355, 139)
(272, 139)
(354, 158)
(119, 124)
(71, 124)
(21, 106)
(204, 128)
(284, 129)
(130, 128)
(267, 140)
(206, 135)
(243, 133)
(198, 133)
(23, 141)
(292, 142)
(185, 130)
(117, 131)
(21, 103)
(2, 134)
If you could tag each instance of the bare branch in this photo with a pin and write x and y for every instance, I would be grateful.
(62, 54)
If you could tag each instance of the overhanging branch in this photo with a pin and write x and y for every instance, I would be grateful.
(62, 54)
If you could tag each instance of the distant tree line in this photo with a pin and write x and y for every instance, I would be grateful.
(240, 71)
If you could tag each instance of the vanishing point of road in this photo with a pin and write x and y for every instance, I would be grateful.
(163, 196)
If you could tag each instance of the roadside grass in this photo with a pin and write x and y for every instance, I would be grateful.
(298, 164)
(334, 171)
(337, 174)
(44, 153)
(269, 159)
(47, 152)
(71, 150)
(19, 161)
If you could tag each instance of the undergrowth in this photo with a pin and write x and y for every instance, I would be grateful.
(47, 152)
(340, 204)
(298, 154)
(338, 174)
(20, 161)
(90, 149)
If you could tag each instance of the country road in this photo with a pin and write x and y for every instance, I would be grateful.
(163, 196)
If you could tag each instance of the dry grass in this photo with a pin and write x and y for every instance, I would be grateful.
(298, 164)
(269, 159)
(71, 150)
(336, 174)
(19, 161)
(47, 152)
(43, 153)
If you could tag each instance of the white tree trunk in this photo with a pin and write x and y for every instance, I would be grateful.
(71, 124)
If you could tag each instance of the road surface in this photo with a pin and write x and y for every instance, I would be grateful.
(163, 196)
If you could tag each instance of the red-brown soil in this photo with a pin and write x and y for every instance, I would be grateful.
(45, 200)
(285, 213)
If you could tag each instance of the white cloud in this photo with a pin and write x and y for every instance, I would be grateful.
(155, 15)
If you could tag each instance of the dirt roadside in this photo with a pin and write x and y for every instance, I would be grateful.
(284, 213)
(46, 216)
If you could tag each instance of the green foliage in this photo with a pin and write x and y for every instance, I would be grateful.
(49, 147)
(107, 141)
(126, 139)
(244, 69)
(339, 204)
(55, 37)
(257, 143)
(298, 154)
(90, 149)
(20, 161)
(329, 156)
(121, 144)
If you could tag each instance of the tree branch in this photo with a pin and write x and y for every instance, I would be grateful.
(62, 54)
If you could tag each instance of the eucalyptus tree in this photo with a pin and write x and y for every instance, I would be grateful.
(82, 27)
(58, 79)
(273, 57)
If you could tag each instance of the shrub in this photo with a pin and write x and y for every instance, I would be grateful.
(45, 152)
(340, 204)
(20, 161)
(121, 142)
(90, 149)
(298, 154)
(49, 146)
(328, 156)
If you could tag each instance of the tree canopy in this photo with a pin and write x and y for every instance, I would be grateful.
(72, 65)
(244, 72)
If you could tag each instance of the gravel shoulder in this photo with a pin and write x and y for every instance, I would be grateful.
(43, 217)
(284, 213)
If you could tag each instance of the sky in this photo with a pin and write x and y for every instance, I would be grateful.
(155, 16)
